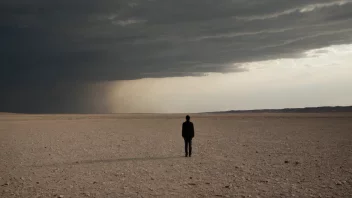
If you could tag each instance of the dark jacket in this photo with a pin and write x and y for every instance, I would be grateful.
(187, 130)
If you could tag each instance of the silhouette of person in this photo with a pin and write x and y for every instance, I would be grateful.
(188, 134)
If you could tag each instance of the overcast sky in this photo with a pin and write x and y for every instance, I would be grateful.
(90, 56)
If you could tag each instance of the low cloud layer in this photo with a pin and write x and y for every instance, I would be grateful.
(44, 43)
(117, 40)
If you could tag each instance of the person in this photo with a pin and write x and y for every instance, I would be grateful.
(188, 134)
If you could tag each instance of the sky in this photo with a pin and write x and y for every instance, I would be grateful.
(174, 56)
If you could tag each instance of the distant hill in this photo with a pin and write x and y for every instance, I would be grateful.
(294, 110)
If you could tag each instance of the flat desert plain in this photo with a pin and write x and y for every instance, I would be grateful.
(142, 155)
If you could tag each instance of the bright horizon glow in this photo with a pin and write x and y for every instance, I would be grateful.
(321, 78)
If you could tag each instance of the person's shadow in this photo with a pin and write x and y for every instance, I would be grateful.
(80, 162)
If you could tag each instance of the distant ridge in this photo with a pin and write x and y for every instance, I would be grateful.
(325, 109)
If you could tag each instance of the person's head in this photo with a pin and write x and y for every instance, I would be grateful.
(188, 118)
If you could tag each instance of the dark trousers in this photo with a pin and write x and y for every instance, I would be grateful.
(188, 146)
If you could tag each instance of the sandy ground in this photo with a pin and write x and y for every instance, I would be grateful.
(240, 155)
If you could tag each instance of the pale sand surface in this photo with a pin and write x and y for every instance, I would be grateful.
(141, 155)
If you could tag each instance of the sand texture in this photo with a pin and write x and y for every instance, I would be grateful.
(141, 155)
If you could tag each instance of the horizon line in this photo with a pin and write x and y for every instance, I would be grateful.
(221, 111)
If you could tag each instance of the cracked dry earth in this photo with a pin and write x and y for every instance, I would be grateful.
(141, 155)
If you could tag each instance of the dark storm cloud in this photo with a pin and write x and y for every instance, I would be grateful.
(48, 42)
(113, 40)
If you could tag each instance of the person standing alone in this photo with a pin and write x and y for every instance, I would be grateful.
(188, 134)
